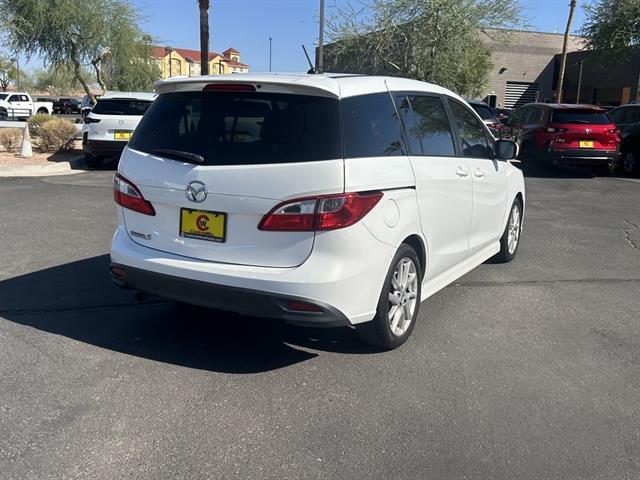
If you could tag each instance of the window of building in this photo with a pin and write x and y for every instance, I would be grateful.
(371, 127)
(426, 125)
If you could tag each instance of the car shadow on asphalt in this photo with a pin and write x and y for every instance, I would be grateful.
(77, 300)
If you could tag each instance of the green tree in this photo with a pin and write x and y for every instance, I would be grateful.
(612, 25)
(60, 81)
(437, 41)
(7, 72)
(78, 33)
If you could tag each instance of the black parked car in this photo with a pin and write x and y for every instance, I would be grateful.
(66, 105)
(627, 119)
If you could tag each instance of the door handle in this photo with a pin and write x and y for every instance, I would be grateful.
(479, 173)
(462, 172)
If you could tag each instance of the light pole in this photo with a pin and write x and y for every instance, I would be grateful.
(270, 49)
(320, 52)
(579, 82)
(17, 62)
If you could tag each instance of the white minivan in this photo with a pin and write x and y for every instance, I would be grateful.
(326, 200)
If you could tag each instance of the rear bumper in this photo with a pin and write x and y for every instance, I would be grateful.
(582, 157)
(239, 300)
(103, 147)
(341, 276)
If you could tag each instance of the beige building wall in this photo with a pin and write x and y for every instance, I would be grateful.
(523, 56)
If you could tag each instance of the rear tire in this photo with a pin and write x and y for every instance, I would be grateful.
(631, 162)
(605, 171)
(42, 111)
(528, 158)
(398, 304)
(510, 241)
(93, 161)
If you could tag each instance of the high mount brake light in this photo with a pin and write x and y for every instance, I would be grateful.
(229, 87)
(326, 212)
(127, 195)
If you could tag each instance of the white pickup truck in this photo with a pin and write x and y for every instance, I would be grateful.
(20, 105)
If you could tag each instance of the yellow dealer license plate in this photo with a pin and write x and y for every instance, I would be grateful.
(122, 135)
(586, 143)
(203, 224)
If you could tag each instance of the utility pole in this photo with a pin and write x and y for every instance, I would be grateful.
(563, 61)
(203, 6)
(579, 82)
(319, 52)
(270, 44)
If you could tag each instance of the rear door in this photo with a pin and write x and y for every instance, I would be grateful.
(257, 149)
(21, 105)
(443, 180)
(489, 177)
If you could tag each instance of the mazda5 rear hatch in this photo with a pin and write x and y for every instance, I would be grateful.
(213, 159)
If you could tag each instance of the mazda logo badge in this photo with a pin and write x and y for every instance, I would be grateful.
(196, 191)
(587, 131)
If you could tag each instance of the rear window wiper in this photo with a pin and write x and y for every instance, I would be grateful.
(179, 155)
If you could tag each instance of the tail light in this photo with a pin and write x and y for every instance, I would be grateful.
(229, 87)
(127, 195)
(88, 120)
(614, 131)
(329, 212)
(496, 126)
(555, 130)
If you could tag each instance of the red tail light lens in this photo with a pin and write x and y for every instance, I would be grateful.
(127, 195)
(229, 87)
(88, 120)
(555, 130)
(320, 213)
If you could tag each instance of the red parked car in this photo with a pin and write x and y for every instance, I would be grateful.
(565, 134)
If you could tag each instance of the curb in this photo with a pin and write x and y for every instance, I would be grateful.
(59, 168)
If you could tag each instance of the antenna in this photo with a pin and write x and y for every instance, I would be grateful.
(311, 69)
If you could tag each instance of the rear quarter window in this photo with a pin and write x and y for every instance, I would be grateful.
(371, 127)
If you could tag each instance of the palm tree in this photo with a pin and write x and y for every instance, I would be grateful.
(204, 36)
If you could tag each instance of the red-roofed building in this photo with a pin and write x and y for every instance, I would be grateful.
(184, 62)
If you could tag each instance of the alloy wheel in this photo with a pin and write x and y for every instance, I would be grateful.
(403, 296)
(513, 233)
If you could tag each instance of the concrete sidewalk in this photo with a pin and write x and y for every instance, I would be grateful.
(76, 165)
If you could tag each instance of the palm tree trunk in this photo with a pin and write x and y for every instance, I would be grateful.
(563, 58)
(204, 36)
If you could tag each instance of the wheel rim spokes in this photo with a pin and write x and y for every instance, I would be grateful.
(513, 232)
(403, 296)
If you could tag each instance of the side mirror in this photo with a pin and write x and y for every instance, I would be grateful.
(506, 149)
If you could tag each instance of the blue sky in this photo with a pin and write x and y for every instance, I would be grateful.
(246, 25)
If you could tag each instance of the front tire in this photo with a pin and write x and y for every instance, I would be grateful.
(510, 240)
(398, 305)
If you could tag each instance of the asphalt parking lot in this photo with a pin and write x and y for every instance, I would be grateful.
(525, 370)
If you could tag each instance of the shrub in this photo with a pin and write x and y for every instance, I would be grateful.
(56, 134)
(36, 121)
(10, 138)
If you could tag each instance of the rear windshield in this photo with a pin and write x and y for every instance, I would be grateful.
(485, 112)
(115, 106)
(588, 117)
(242, 128)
